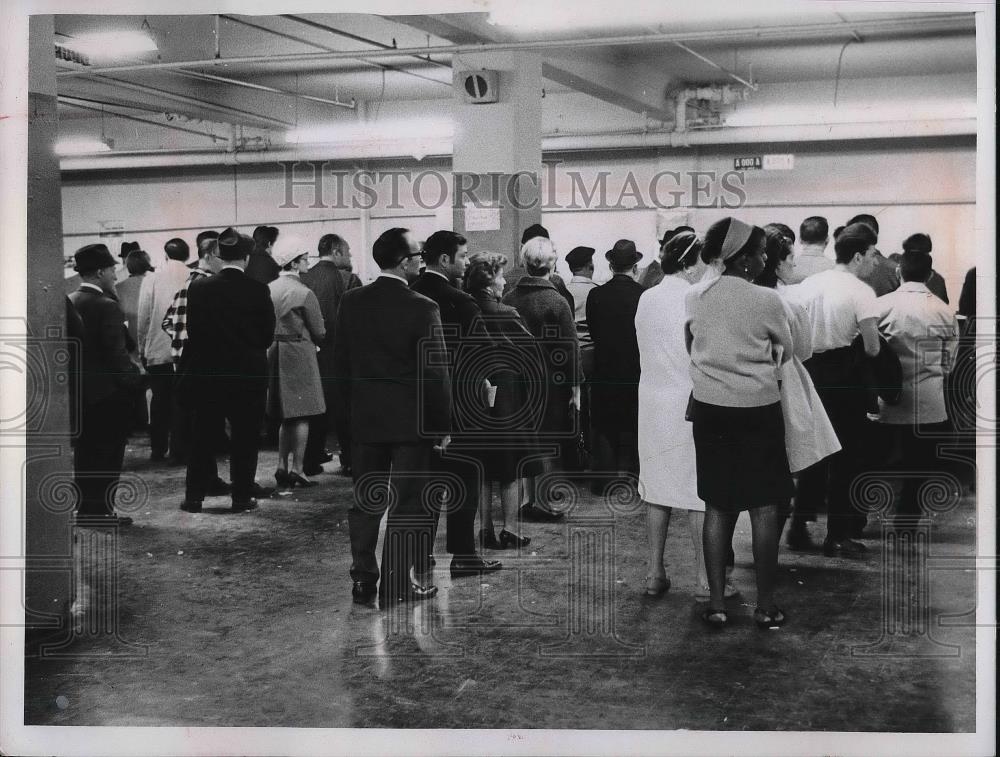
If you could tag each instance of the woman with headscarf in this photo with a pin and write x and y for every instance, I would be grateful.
(737, 335)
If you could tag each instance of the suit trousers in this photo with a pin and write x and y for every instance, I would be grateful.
(162, 413)
(390, 476)
(100, 451)
(460, 512)
(242, 403)
(915, 461)
(844, 398)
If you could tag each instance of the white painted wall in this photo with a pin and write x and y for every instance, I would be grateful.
(916, 186)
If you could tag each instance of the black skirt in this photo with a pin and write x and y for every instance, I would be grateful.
(740, 456)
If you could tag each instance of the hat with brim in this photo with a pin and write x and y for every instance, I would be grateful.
(233, 245)
(287, 249)
(128, 247)
(92, 258)
(623, 254)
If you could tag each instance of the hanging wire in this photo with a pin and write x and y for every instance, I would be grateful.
(840, 60)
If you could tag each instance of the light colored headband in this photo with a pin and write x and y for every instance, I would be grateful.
(689, 248)
(736, 237)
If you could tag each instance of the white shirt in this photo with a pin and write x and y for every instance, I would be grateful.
(809, 260)
(580, 287)
(836, 301)
(923, 333)
(437, 273)
(155, 298)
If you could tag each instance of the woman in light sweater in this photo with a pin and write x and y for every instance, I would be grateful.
(735, 334)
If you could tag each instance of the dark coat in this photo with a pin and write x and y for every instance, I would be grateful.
(391, 386)
(614, 390)
(517, 371)
(230, 325)
(329, 284)
(459, 311)
(105, 366)
(549, 318)
(261, 267)
(882, 276)
(515, 274)
(75, 334)
(937, 286)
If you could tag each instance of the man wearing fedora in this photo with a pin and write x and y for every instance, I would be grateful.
(611, 310)
(230, 325)
(107, 376)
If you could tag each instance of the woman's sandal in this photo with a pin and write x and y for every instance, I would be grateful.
(657, 585)
(773, 619)
(717, 619)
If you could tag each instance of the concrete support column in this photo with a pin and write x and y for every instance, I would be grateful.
(47, 423)
(498, 153)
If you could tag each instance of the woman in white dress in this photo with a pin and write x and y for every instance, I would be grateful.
(667, 477)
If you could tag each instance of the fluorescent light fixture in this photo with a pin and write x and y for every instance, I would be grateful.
(111, 45)
(81, 146)
(530, 15)
(382, 131)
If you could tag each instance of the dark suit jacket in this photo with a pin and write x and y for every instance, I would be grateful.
(261, 267)
(937, 286)
(105, 367)
(459, 311)
(611, 310)
(390, 364)
(230, 325)
(329, 284)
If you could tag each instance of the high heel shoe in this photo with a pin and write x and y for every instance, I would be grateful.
(488, 539)
(281, 478)
(296, 479)
(512, 541)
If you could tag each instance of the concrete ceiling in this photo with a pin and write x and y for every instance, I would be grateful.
(631, 77)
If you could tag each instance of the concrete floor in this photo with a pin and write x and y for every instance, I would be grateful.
(240, 620)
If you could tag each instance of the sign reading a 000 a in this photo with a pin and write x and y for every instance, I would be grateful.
(750, 162)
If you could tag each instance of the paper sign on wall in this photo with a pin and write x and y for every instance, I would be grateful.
(481, 219)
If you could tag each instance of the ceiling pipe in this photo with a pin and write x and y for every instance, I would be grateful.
(71, 102)
(442, 148)
(264, 88)
(310, 43)
(955, 22)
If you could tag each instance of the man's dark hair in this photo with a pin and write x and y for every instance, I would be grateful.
(442, 243)
(865, 218)
(814, 230)
(137, 262)
(918, 243)
(855, 238)
(208, 245)
(177, 249)
(535, 230)
(265, 235)
(915, 266)
(329, 243)
(203, 235)
(391, 248)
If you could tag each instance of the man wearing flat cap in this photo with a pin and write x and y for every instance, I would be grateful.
(230, 325)
(107, 376)
(614, 411)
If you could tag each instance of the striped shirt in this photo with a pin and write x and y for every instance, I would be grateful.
(175, 321)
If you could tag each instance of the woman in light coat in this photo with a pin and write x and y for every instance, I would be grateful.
(667, 477)
(295, 392)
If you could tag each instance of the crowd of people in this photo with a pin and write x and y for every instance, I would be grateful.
(732, 373)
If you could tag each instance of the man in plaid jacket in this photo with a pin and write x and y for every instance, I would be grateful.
(175, 325)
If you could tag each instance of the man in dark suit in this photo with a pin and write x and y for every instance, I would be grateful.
(230, 325)
(329, 280)
(107, 376)
(398, 396)
(611, 312)
(260, 265)
(446, 256)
